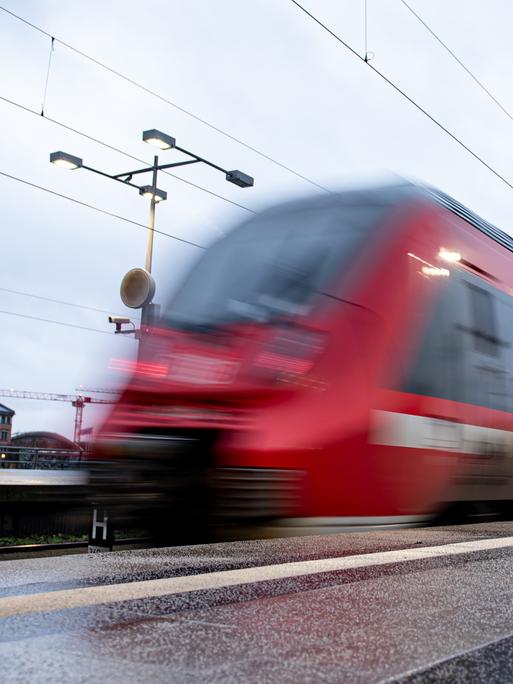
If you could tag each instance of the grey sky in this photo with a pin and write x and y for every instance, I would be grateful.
(262, 71)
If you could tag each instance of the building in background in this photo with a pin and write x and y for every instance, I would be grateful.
(6, 416)
(39, 439)
(40, 449)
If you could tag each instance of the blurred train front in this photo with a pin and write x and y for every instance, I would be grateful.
(283, 383)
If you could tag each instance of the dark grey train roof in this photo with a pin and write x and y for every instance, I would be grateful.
(378, 195)
(483, 226)
(391, 196)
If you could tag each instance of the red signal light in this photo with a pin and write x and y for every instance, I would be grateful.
(152, 370)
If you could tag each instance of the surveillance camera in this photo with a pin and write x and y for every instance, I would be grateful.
(121, 320)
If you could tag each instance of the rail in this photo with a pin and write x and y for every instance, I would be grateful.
(29, 548)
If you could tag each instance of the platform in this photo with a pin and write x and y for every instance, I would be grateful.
(402, 605)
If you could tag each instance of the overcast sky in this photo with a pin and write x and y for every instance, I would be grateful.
(262, 71)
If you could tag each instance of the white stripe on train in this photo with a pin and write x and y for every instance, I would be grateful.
(422, 432)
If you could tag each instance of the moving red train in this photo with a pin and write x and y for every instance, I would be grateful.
(341, 360)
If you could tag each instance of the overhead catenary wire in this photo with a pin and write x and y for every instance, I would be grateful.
(120, 151)
(326, 28)
(166, 100)
(55, 301)
(458, 60)
(63, 323)
(405, 95)
(98, 209)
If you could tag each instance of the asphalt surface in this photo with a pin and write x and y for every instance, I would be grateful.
(411, 616)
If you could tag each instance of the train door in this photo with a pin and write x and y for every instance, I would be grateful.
(485, 441)
(432, 384)
(448, 368)
(438, 369)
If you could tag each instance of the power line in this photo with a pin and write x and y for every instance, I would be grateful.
(123, 152)
(98, 209)
(54, 301)
(67, 325)
(458, 60)
(166, 100)
(405, 96)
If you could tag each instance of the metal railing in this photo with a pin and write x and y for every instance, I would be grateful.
(40, 458)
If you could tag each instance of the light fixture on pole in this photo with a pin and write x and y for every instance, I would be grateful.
(161, 140)
(65, 160)
(240, 179)
(147, 191)
(138, 286)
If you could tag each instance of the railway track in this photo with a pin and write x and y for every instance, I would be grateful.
(65, 546)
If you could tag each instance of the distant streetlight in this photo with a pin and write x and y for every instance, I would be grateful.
(138, 286)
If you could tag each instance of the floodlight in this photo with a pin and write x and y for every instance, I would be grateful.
(158, 139)
(147, 191)
(240, 179)
(65, 160)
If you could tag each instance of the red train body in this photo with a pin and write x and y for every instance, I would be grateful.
(334, 361)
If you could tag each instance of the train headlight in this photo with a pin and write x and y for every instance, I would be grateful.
(448, 255)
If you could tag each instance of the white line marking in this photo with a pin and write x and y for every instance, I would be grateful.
(113, 593)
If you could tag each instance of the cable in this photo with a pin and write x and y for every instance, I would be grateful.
(365, 27)
(56, 301)
(67, 325)
(47, 77)
(101, 211)
(160, 97)
(123, 152)
(457, 59)
(405, 96)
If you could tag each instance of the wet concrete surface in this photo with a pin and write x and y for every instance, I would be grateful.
(432, 619)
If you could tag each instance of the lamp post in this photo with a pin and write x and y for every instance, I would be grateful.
(138, 287)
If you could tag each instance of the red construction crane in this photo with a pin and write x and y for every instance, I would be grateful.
(78, 401)
(98, 390)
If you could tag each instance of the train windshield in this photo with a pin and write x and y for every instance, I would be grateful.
(272, 266)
